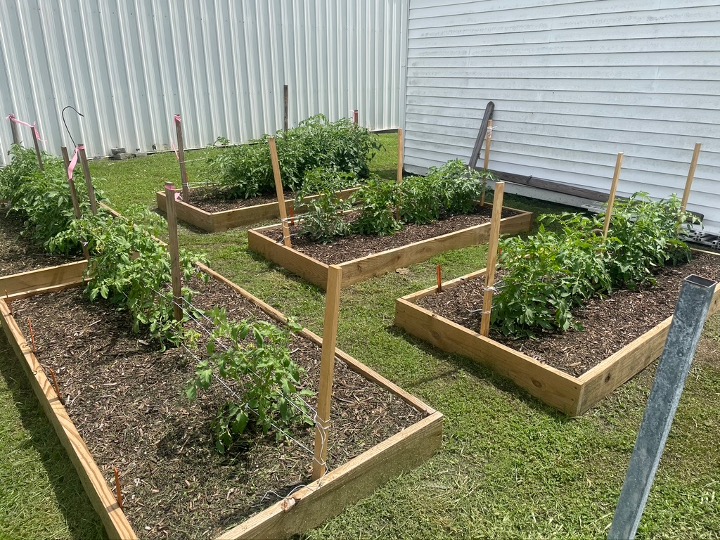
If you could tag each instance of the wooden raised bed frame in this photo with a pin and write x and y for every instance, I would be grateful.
(229, 219)
(383, 262)
(313, 504)
(571, 395)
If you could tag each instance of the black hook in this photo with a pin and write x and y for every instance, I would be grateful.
(62, 114)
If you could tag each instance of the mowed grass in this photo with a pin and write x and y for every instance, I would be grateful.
(509, 466)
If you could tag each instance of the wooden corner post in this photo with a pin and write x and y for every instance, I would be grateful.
(401, 155)
(492, 259)
(36, 142)
(181, 158)
(286, 102)
(174, 249)
(327, 370)
(690, 176)
(613, 192)
(88, 178)
(15, 131)
(280, 192)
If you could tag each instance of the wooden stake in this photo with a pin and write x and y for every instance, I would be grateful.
(15, 130)
(327, 370)
(439, 278)
(401, 155)
(691, 176)
(356, 117)
(56, 386)
(492, 259)
(32, 334)
(613, 191)
(286, 100)
(174, 249)
(71, 182)
(181, 158)
(65, 156)
(88, 179)
(292, 216)
(279, 190)
(33, 130)
(118, 487)
(488, 143)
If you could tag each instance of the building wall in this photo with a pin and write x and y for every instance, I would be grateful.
(573, 84)
(130, 65)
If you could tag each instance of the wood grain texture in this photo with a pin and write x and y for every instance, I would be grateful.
(68, 273)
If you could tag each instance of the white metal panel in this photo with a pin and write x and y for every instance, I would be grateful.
(573, 83)
(130, 65)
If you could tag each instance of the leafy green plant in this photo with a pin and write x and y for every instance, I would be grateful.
(420, 200)
(458, 186)
(377, 200)
(256, 356)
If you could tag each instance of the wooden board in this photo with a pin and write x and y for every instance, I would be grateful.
(571, 395)
(46, 277)
(383, 262)
(229, 219)
(314, 504)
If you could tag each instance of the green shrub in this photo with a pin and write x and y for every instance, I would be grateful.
(322, 211)
(378, 200)
(458, 186)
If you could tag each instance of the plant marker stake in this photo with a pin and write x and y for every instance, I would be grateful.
(327, 370)
(15, 131)
(613, 192)
(356, 117)
(439, 278)
(683, 337)
(181, 158)
(401, 155)
(118, 488)
(690, 176)
(286, 100)
(279, 191)
(88, 179)
(492, 258)
(291, 211)
(65, 156)
(36, 142)
(486, 164)
(56, 386)
(174, 249)
(32, 334)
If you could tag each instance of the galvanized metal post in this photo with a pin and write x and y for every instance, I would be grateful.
(690, 315)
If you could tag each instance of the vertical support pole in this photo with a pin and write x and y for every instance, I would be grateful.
(88, 178)
(439, 279)
(181, 158)
(613, 192)
(280, 192)
(690, 176)
(690, 315)
(492, 258)
(401, 155)
(15, 130)
(327, 370)
(174, 249)
(488, 143)
(356, 117)
(286, 100)
(36, 142)
(65, 156)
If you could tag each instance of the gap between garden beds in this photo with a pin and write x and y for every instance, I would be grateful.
(127, 399)
(609, 323)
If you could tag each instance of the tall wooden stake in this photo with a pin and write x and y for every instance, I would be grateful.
(33, 130)
(488, 143)
(181, 158)
(65, 156)
(327, 370)
(356, 117)
(613, 191)
(15, 131)
(492, 259)
(286, 121)
(88, 178)
(280, 192)
(174, 249)
(691, 176)
(439, 278)
(401, 155)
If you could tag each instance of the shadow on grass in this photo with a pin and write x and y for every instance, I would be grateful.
(82, 521)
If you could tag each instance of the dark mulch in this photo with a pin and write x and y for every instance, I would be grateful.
(127, 398)
(609, 323)
(209, 200)
(17, 253)
(359, 245)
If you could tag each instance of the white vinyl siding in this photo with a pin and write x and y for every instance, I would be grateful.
(573, 83)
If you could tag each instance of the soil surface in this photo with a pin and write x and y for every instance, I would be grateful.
(127, 398)
(609, 323)
(355, 246)
(210, 201)
(17, 253)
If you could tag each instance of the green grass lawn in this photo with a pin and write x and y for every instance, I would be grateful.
(509, 466)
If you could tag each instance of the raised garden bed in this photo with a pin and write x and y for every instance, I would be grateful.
(376, 258)
(120, 412)
(222, 220)
(571, 372)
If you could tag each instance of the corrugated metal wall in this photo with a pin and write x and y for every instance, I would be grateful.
(573, 84)
(129, 65)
